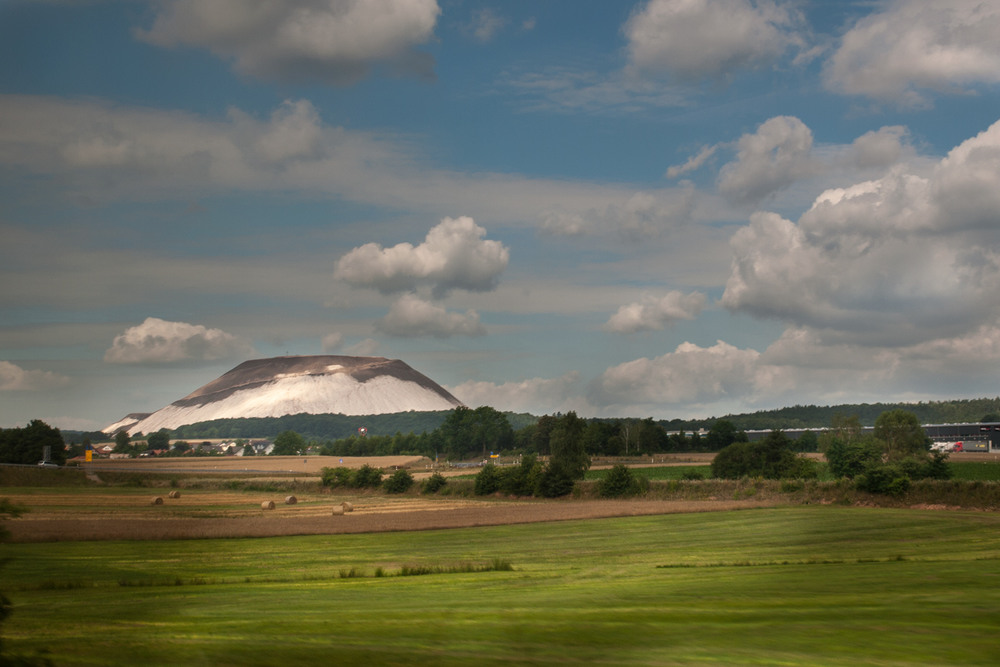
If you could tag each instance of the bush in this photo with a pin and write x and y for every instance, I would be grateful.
(521, 480)
(334, 477)
(886, 479)
(362, 478)
(770, 458)
(367, 477)
(555, 482)
(434, 483)
(399, 482)
(618, 482)
(852, 459)
(488, 480)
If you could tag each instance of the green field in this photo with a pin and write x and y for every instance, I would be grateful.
(812, 585)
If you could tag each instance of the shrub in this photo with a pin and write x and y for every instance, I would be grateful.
(488, 480)
(852, 459)
(399, 482)
(367, 477)
(554, 482)
(334, 477)
(884, 478)
(521, 480)
(619, 482)
(434, 483)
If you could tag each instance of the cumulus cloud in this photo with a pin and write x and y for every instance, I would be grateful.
(689, 374)
(335, 41)
(647, 215)
(363, 348)
(698, 39)
(767, 161)
(158, 341)
(905, 259)
(534, 395)
(897, 54)
(332, 341)
(879, 148)
(15, 378)
(412, 317)
(654, 313)
(454, 255)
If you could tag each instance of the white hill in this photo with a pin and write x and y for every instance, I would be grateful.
(280, 386)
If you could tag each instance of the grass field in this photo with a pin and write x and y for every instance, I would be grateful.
(812, 585)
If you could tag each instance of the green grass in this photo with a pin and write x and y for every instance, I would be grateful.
(796, 586)
(984, 471)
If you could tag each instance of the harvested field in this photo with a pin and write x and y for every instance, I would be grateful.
(303, 465)
(375, 514)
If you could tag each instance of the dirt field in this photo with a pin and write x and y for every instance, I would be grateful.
(135, 522)
(311, 465)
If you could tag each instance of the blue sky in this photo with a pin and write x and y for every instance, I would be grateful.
(670, 208)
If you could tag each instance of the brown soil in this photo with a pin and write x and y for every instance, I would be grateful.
(316, 518)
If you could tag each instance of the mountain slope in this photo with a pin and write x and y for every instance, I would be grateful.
(295, 385)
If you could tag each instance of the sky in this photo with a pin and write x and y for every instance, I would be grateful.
(667, 208)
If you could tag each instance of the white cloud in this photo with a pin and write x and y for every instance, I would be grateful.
(97, 152)
(697, 39)
(693, 163)
(647, 215)
(879, 148)
(535, 395)
(905, 259)
(364, 348)
(15, 378)
(454, 255)
(689, 374)
(910, 47)
(412, 317)
(654, 313)
(335, 41)
(769, 160)
(332, 341)
(159, 341)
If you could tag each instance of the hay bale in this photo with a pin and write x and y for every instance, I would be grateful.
(156, 501)
(338, 510)
(267, 505)
(348, 507)
(291, 500)
(174, 494)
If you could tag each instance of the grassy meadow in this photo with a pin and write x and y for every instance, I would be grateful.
(808, 585)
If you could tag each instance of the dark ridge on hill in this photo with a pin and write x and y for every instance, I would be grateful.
(814, 416)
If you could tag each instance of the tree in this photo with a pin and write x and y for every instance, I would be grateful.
(770, 458)
(852, 458)
(158, 440)
(901, 434)
(123, 443)
(566, 446)
(27, 445)
(467, 432)
(288, 443)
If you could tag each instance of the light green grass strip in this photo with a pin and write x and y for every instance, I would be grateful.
(791, 586)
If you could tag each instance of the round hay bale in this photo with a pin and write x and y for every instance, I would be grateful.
(348, 507)
(174, 494)
(267, 505)
(156, 501)
(291, 500)
(338, 510)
